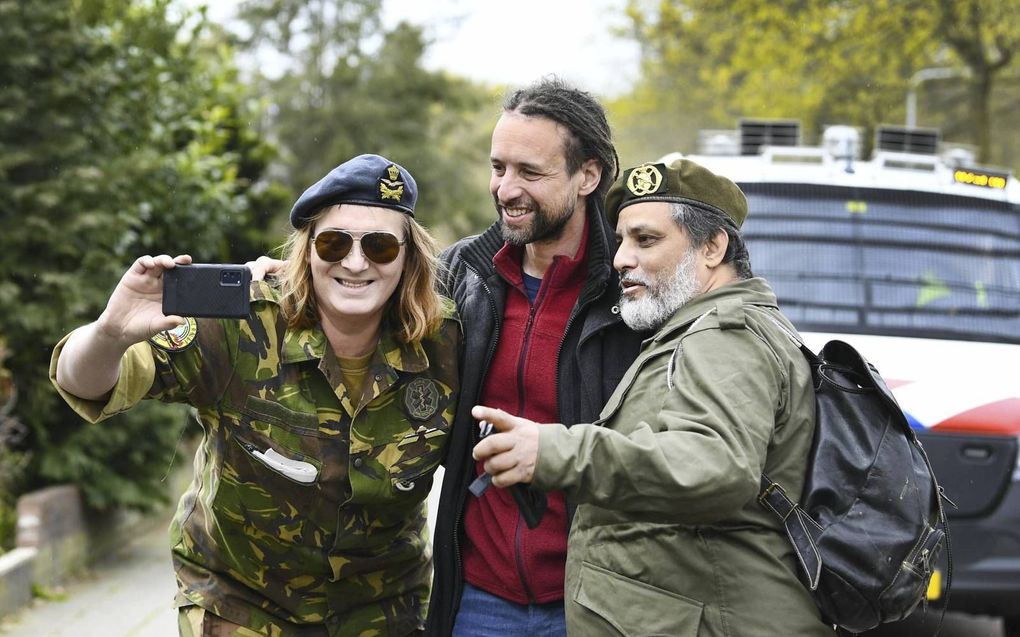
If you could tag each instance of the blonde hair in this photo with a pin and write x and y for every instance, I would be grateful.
(415, 309)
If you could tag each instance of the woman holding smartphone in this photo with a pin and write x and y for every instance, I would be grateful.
(325, 413)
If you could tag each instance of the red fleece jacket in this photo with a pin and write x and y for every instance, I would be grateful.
(502, 555)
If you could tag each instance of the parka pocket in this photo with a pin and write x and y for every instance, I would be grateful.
(634, 608)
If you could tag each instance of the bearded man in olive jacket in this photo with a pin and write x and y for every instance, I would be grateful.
(668, 537)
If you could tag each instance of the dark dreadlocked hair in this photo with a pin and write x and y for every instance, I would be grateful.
(582, 115)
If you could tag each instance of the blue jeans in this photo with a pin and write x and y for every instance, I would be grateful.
(482, 614)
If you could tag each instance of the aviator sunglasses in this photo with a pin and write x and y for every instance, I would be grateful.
(377, 246)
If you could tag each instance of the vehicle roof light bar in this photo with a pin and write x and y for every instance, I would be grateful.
(900, 139)
(756, 133)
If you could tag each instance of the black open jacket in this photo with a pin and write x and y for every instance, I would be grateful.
(596, 350)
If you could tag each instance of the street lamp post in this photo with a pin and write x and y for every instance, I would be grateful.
(936, 73)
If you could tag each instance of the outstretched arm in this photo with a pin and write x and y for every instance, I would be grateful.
(89, 364)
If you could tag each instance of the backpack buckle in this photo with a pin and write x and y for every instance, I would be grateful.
(764, 495)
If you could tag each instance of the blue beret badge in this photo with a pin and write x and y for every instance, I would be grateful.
(391, 188)
(178, 339)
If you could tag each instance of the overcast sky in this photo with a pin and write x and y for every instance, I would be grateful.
(518, 42)
(515, 42)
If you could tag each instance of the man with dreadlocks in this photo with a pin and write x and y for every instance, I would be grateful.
(544, 340)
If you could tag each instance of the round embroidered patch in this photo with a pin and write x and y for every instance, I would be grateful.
(178, 339)
(421, 398)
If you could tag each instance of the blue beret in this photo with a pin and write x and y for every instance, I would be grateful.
(368, 180)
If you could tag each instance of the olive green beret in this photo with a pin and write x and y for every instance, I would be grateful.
(683, 181)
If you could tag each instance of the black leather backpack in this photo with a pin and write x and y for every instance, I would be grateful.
(869, 525)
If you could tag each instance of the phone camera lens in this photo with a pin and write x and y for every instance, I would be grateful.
(230, 277)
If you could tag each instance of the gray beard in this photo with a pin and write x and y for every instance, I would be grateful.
(663, 295)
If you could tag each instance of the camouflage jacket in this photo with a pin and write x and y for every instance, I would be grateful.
(306, 515)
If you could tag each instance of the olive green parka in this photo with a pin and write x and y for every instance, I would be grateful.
(669, 538)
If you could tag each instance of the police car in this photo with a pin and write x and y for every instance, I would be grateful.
(912, 256)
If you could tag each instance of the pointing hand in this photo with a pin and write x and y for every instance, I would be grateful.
(510, 452)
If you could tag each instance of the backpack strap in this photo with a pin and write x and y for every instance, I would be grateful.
(772, 496)
(798, 525)
(808, 354)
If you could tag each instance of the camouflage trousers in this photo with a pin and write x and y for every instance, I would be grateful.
(195, 621)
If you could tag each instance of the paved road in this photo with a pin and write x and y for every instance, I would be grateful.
(129, 595)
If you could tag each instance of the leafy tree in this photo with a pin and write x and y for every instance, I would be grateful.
(12, 462)
(819, 61)
(352, 87)
(124, 132)
(983, 36)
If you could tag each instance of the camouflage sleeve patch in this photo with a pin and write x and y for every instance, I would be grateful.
(178, 339)
(197, 372)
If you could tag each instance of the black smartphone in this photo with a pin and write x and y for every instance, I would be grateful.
(207, 290)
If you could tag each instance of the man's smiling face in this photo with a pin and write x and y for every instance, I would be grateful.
(534, 193)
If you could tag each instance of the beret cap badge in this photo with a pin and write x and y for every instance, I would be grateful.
(644, 180)
(391, 188)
